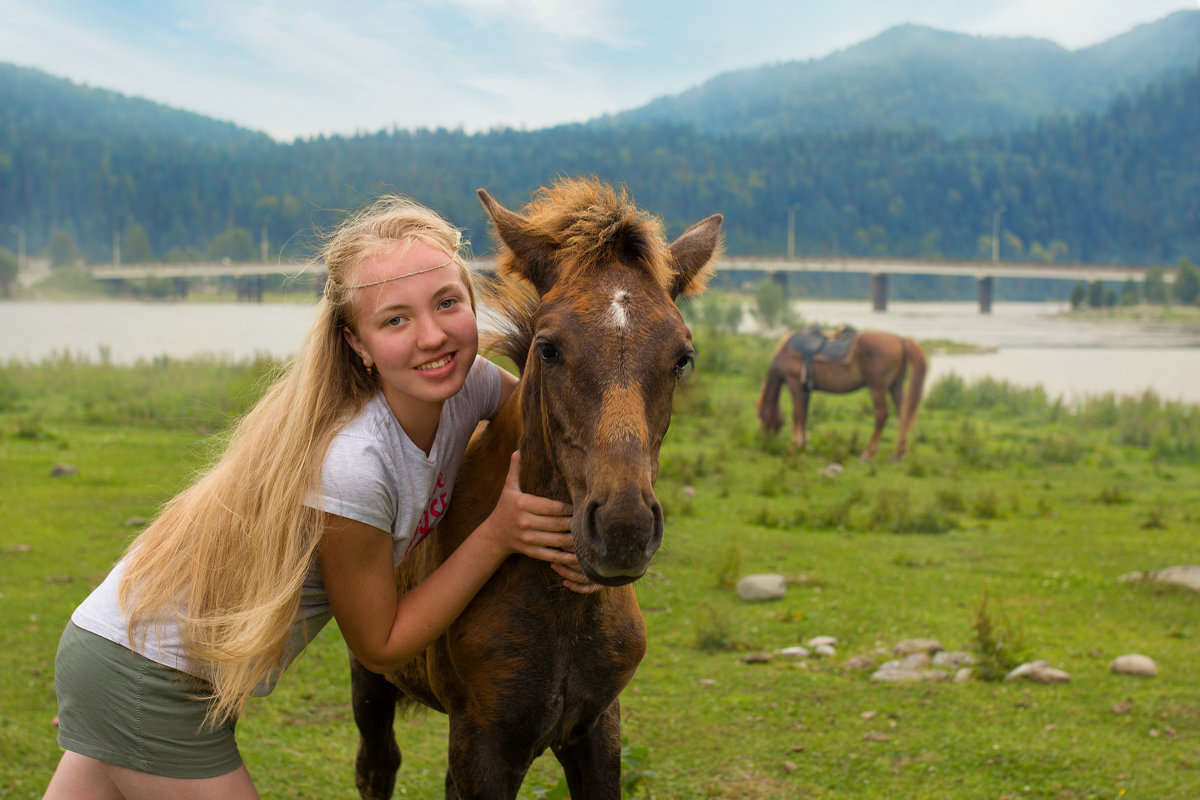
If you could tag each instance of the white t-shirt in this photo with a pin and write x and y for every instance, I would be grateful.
(373, 473)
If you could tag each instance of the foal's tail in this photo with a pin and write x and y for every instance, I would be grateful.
(918, 366)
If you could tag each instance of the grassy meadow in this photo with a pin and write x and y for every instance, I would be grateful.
(1004, 532)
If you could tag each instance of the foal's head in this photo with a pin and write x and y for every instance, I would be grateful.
(601, 347)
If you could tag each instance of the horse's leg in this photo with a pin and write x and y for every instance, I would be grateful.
(485, 764)
(592, 760)
(374, 702)
(800, 398)
(897, 393)
(879, 399)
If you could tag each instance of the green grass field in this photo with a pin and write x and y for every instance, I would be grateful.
(1037, 506)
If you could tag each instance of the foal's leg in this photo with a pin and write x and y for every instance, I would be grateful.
(879, 399)
(485, 764)
(374, 702)
(592, 760)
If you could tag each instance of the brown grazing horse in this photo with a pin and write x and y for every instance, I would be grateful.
(879, 361)
(587, 286)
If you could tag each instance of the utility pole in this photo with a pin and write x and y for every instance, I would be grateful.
(20, 232)
(791, 240)
(996, 233)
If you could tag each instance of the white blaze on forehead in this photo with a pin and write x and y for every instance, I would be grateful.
(618, 312)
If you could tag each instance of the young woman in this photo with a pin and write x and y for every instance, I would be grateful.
(343, 466)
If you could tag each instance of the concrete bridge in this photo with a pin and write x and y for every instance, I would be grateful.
(249, 275)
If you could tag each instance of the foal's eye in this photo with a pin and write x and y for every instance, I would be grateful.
(548, 353)
(684, 366)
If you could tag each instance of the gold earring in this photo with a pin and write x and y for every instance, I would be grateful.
(370, 370)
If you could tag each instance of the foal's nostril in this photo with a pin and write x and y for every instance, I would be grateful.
(597, 543)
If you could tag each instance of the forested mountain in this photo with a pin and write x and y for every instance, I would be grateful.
(912, 75)
(1118, 185)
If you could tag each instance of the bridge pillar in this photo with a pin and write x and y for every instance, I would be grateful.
(780, 278)
(181, 287)
(250, 288)
(985, 294)
(879, 289)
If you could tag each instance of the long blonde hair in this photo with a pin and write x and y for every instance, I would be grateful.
(227, 557)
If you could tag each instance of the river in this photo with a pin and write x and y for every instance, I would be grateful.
(1032, 344)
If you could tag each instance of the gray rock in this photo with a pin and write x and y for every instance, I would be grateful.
(860, 663)
(953, 659)
(897, 675)
(1185, 576)
(793, 652)
(1038, 672)
(1134, 664)
(909, 646)
(755, 588)
(59, 470)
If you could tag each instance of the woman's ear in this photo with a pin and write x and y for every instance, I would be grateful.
(356, 345)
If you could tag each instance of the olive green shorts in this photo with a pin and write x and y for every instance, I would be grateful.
(118, 707)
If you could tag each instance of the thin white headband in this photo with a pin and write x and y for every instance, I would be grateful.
(398, 277)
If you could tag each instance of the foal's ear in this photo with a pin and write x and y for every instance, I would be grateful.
(693, 252)
(533, 255)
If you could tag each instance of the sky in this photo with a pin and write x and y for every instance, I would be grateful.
(300, 68)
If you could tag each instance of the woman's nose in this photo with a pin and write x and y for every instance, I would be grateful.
(430, 334)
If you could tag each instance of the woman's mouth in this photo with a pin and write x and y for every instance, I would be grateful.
(437, 363)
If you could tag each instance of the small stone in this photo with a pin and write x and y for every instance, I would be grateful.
(1038, 672)
(963, 675)
(825, 650)
(952, 659)
(688, 491)
(135, 522)
(897, 675)
(60, 470)
(790, 766)
(909, 646)
(860, 663)
(755, 588)
(1134, 664)
(1122, 707)
(756, 658)
(795, 651)
(817, 641)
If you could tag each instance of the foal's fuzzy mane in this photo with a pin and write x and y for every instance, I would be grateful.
(589, 225)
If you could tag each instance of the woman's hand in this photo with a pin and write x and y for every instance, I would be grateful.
(537, 527)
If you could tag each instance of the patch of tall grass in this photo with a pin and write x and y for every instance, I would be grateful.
(201, 394)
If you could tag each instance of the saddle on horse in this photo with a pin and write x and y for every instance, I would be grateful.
(812, 342)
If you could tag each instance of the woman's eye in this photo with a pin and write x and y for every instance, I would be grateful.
(684, 366)
(394, 321)
(449, 302)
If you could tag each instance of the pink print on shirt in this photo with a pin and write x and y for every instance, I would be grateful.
(437, 507)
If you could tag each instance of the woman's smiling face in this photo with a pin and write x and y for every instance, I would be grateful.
(417, 331)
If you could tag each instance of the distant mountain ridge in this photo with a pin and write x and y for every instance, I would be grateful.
(912, 76)
(1121, 184)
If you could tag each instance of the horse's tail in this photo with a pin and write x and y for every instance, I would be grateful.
(918, 366)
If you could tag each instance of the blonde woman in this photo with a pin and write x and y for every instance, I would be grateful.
(343, 466)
